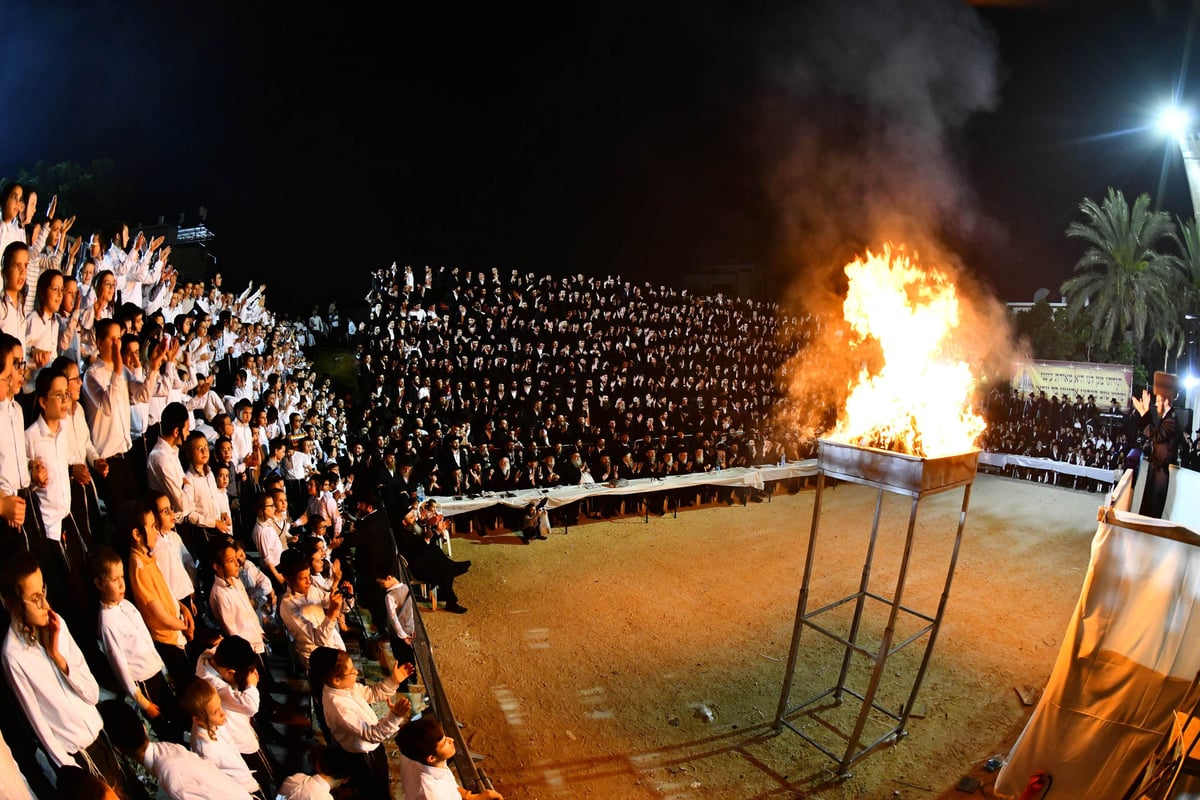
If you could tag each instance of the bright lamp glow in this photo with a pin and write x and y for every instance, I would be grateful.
(1174, 121)
(1190, 381)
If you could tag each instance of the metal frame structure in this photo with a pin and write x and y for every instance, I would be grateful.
(897, 473)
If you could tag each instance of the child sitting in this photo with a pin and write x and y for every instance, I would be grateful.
(423, 772)
(202, 703)
(180, 773)
(355, 727)
(125, 641)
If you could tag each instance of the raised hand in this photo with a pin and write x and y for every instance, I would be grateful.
(1142, 404)
(401, 707)
(402, 672)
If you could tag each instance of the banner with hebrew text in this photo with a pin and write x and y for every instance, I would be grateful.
(1066, 379)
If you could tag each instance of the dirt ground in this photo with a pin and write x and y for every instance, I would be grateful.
(586, 661)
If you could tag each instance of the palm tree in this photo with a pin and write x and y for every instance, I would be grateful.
(1126, 280)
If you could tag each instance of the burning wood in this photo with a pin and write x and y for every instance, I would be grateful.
(915, 395)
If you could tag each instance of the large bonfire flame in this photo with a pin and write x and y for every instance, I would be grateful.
(919, 400)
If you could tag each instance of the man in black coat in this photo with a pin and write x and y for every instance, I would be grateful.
(429, 564)
(1161, 429)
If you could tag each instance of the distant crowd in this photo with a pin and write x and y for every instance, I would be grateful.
(1076, 431)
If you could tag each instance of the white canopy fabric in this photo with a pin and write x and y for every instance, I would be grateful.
(1130, 653)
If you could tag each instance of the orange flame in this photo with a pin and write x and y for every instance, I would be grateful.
(919, 400)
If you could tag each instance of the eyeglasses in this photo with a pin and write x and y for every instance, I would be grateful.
(38, 600)
(59, 396)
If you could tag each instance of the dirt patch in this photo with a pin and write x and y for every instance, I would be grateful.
(589, 664)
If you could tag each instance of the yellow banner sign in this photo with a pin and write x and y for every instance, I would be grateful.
(1066, 379)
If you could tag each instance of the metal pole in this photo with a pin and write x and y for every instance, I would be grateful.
(885, 644)
(801, 606)
(936, 625)
(863, 585)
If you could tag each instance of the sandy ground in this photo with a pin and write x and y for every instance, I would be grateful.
(581, 669)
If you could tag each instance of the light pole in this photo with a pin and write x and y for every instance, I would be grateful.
(1189, 146)
(1176, 122)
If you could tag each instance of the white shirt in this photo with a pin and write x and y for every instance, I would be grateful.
(400, 611)
(232, 607)
(258, 585)
(221, 753)
(79, 438)
(164, 473)
(351, 719)
(53, 450)
(201, 496)
(175, 563)
(304, 617)
(427, 782)
(41, 333)
(12, 318)
(239, 706)
(266, 539)
(14, 461)
(126, 641)
(13, 785)
(183, 775)
(60, 708)
(304, 787)
(106, 402)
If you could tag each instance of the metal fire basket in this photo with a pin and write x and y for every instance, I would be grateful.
(897, 473)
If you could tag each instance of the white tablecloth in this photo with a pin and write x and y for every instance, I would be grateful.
(1002, 460)
(756, 477)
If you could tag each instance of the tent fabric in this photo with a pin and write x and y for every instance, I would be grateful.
(1129, 655)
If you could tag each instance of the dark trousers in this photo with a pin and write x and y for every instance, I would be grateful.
(179, 668)
(404, 654)
(258, 764)
(369, 775)
(99, 759)
(121, 490)
(1154, 496)
(170, 724)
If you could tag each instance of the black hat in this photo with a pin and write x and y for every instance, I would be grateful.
(1166, 385)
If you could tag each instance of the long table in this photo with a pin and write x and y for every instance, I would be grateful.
(740, 477)
(1003, 460)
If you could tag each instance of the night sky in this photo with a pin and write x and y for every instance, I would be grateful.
(646, 140)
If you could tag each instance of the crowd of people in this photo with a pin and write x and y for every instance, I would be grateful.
(490, 382)
(1081, 432)
(177, 538)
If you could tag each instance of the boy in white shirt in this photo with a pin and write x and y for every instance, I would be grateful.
(180, 773)
(332, 765)
(401, 625)
(202, 703)
(426, 748)
(126, 642)
(175, 561)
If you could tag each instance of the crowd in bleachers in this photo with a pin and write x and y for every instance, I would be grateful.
(154, 433)
(486, 381)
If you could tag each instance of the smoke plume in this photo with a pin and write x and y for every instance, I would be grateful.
(866, 102)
